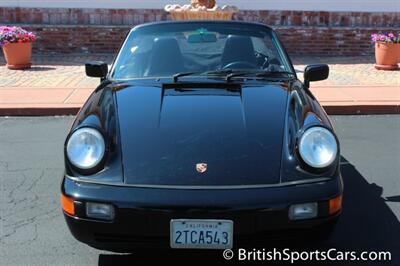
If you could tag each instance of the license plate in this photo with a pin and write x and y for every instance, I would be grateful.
(201, 234)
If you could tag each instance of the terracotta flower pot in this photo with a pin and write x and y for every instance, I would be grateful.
(201, 15)
(18, 55)
(387, 55)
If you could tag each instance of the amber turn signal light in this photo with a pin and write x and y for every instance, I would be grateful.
(67, 205)
(335, 205)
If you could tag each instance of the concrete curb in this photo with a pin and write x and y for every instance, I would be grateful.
(330, 109)
(39, 111)
(337, 100)
(362, 109)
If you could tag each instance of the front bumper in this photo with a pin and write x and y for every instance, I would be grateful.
(142, 215)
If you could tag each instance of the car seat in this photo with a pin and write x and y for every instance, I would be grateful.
(166, 58)
(238, 48)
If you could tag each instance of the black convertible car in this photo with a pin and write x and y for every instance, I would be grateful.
(201, 136)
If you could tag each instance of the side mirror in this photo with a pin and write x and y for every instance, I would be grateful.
(315, 73)
(96, 69)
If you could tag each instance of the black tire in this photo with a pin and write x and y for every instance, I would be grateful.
(324, 232)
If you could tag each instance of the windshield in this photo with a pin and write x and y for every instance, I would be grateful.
(164, 50)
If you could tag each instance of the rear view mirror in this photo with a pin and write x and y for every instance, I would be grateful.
(96, 69)
(202, 37)
(315, 73)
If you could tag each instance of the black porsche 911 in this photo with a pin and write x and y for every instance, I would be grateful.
(201, 136)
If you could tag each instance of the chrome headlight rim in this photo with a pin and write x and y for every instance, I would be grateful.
(307, 132)
(98, 163)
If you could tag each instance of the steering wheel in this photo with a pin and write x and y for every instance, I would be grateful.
(262, 59)
(240, 65)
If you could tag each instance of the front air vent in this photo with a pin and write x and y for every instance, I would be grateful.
(200, 85)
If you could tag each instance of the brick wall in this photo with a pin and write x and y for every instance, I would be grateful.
(297, 40)
(87, 16)
(103, 30)
(78, 38)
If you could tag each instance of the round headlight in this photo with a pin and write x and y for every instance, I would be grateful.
(85, 148)
(318, 147)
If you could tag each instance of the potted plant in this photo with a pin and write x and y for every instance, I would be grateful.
(387, 51)
(17, 46)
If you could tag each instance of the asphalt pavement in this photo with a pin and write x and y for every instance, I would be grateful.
(33, 232)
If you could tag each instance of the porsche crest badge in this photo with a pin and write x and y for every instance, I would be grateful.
(201, 167)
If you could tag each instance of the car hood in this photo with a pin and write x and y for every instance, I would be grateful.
(236, 134)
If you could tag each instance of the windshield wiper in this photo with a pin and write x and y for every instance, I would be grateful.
(183, 74)
(231, 73)
(213, 72)
(257, 74)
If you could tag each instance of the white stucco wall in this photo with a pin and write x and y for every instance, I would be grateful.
(312, 5)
